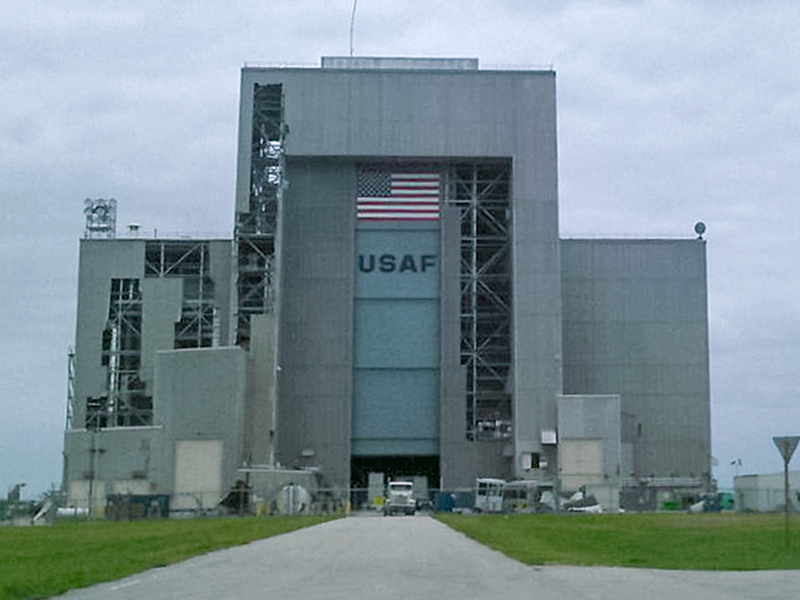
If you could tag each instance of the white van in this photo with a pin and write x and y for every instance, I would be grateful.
(489, 495)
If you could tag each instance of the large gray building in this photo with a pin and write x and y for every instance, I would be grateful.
(395, 299)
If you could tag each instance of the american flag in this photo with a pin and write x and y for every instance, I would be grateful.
(384, 196)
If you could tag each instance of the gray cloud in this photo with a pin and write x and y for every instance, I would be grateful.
(669, 112)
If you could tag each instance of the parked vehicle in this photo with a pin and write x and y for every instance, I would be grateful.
(520, 496)
(489, 495)
(528, 496)
(399, 499)
(582, 502)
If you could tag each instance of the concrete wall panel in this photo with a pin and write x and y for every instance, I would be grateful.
(200, 396)
(220, 255)
(635, 324)
(261, 395)
(316, 315)
(100, 262)
(162, 299)
(111, 457)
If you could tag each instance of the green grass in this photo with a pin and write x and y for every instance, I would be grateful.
(663, 541)
(38, 562)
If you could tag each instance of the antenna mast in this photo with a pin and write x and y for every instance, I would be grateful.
(101, 218)
(352, 22)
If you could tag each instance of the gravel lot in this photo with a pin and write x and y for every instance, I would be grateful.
(417, 558)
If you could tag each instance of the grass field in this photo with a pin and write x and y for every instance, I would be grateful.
(38, 562)
(664, 541)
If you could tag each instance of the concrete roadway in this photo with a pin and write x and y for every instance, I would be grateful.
(417, 558)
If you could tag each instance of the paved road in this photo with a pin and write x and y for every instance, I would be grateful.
(417, 558)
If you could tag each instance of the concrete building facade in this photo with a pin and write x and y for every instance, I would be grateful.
(765, 492)
(395, 299)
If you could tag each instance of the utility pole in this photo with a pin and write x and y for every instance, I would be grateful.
(93, 450)
(91, 476)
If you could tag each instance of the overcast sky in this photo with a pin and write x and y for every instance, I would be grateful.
(669, 113)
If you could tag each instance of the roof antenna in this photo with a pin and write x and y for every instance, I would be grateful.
(699, 229)
(352, 22)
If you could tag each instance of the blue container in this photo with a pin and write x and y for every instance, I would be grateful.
(444, 502)
(449, 501)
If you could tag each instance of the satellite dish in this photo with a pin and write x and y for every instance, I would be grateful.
(699, 229)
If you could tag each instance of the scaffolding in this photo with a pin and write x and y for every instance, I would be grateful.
(70, 386)
(125, 403)
(257, 227)
(481, 191)
(189, 260)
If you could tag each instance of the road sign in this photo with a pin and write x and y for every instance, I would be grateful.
(786, 446)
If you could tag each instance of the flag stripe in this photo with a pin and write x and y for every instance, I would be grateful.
(398, 202)
(367, 216)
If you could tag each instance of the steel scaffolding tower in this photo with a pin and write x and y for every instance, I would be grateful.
(190, 261)
(256, 228)
(481, 191)
(70, 386)
(125, 402)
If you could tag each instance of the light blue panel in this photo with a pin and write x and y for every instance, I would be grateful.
(395, 408)
(395, 411)
(397, 263)
(396, 334)
(397, 447)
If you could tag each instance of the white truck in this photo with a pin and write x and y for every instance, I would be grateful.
(399, 499)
